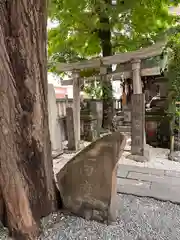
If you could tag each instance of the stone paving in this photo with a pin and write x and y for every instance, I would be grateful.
(159, 178)
(149, 182)
(162, 184)
(158, 158)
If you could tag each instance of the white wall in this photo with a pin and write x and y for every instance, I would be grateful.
(117, 89)
(69, 91)
(54, 127)
(53, 79)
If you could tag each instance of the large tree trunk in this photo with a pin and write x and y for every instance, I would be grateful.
(106, 46)
(26, 174)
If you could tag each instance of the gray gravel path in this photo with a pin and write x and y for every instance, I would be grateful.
(138, 219)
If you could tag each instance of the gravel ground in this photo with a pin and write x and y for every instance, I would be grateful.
(138, 219)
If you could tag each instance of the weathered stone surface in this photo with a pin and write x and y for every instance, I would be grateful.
(138, 124)
(171, 173)
(134, 187)
(70, 129)
(174, 156)
(148, 182)
(88, 128)
(153, 178)
(88, 183)
(125, 169)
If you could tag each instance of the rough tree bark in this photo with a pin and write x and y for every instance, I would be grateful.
(106, 46)
(27, 190)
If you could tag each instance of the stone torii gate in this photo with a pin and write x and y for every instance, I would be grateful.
(135, 72)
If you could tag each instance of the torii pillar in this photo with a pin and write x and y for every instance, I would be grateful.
(138, 145)
(136, 76)
(76, 108)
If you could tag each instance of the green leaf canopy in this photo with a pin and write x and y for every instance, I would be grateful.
(133, 24)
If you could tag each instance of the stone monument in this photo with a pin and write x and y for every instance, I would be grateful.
(87, 183)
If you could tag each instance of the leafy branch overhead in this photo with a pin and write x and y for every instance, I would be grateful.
(133, 24)
(173, 72)
(87, 29)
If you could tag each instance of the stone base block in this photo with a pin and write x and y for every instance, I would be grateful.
(174, 156)
(141, 158)
(137, 158)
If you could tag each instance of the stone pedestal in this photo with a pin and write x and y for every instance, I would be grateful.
(89, 121)
(127, 117)
(96, 109)
(88, 127)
